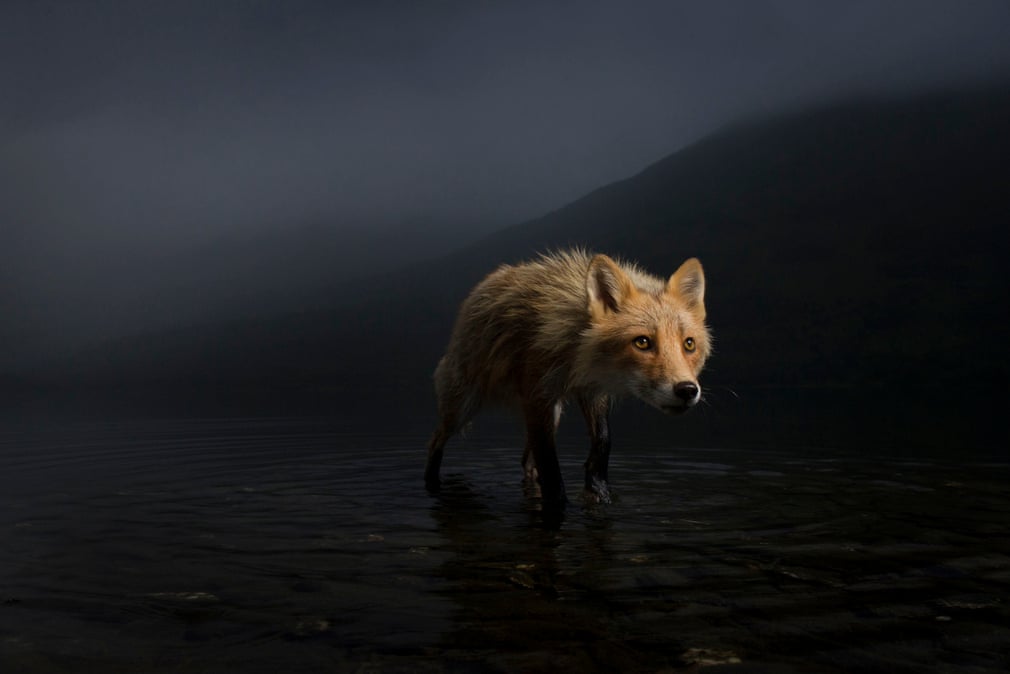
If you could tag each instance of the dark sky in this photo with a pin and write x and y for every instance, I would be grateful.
(134, 135)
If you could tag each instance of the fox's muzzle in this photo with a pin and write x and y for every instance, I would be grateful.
(688, 392)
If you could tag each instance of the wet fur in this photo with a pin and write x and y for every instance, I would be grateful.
(562, 327)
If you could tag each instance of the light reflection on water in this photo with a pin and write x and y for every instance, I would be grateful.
(281, 544)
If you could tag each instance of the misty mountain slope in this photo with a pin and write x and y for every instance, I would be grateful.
(859, 244)
(52, 301)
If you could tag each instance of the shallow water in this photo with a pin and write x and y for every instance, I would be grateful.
(200, 545)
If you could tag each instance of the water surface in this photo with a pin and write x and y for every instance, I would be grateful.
(294, 544)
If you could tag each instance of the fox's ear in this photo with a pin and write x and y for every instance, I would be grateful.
(688, 283)
(608, 286)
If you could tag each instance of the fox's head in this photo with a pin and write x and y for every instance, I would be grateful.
(647, 337)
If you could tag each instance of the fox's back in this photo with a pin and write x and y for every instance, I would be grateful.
(520, 319)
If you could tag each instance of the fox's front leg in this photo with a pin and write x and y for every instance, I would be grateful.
(541, 426)
(529, 464)
(597, 413)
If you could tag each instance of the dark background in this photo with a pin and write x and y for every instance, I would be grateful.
(275, 209)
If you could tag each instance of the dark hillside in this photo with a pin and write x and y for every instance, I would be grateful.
(859, 248)
(854, 244)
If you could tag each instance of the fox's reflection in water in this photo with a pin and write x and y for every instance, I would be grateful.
(294, 544)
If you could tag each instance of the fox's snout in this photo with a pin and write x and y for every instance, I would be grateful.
(687, 391)
(685, 395)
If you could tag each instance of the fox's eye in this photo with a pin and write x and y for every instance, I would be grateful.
(643, 343)
(689, 344)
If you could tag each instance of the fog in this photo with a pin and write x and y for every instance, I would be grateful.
(154, 157)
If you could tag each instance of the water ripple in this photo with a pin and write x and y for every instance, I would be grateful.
(258, 544)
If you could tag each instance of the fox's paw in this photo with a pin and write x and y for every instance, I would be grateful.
(597, 491)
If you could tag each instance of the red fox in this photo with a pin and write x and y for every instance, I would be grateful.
(570, 325)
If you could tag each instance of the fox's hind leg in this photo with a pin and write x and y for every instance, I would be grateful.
(435, 447)
(449, 424)
(596, 409)
(456, 406)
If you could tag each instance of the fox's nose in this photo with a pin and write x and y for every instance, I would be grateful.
(686, 391)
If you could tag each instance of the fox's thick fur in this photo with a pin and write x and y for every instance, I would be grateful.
(571, 325)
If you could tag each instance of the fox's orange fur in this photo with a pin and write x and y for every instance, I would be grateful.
(571, 325)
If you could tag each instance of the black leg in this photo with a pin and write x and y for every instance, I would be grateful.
(434, 463)
(529, 463)
(455, 409)
(541, 424)
(597, 413)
